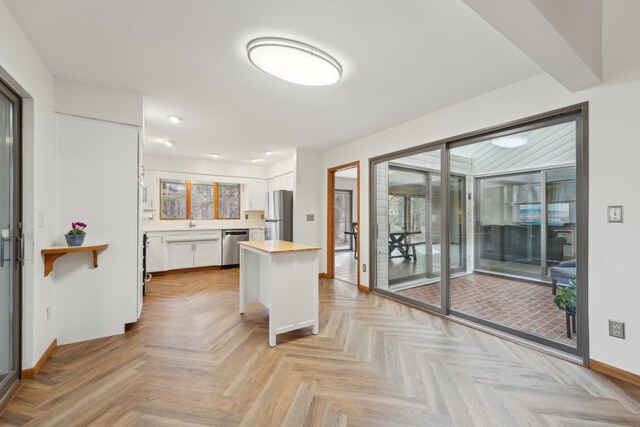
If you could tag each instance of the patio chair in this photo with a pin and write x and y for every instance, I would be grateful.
(561, 274)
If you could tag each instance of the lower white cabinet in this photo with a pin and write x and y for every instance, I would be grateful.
(179, 255)
(256, 234)
(172, 250)
(155, 252)
(206, 252)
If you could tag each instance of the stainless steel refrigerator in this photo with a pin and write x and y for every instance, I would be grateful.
(278, 215)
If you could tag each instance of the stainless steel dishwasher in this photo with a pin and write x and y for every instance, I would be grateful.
(230, 246)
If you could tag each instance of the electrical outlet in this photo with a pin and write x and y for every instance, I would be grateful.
(616, 329)
(48, 314)
(364, 268)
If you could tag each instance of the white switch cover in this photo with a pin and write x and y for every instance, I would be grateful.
(614, 213)
(40, 219)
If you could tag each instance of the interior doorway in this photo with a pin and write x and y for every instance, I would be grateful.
(343, 213)
(10, 241)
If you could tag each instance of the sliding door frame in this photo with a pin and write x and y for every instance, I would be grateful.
(17, 262)
(578, 113)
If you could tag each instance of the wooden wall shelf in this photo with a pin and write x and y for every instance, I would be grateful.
(53, 253)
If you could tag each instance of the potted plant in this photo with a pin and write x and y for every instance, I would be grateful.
(566, 298)
(75, 236)
(566, 301)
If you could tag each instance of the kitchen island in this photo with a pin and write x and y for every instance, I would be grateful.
(282, 276)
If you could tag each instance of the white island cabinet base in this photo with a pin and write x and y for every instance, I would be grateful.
(284, 278)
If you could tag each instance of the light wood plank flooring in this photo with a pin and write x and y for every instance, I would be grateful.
(192, 359)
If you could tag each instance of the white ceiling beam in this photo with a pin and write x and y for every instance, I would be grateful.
(564, 37)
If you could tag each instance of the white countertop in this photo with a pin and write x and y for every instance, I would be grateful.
(198, 228)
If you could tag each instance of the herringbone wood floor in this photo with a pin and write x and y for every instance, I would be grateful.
(192, 359)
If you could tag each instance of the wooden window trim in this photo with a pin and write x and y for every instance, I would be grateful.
(216, 205)
(187, 190)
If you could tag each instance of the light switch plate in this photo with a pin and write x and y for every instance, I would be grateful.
(614, 213)
(616, 329)
(310, 217)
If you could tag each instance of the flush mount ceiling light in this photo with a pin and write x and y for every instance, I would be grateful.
(168, 143)
(254, 160)
(509, 142)
(294, 62)
(214, 155)
(174, 119)
(268, 152)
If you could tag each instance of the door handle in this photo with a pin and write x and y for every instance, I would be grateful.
(2, 258)
(21, 251)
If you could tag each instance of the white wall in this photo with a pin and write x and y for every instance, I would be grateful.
(282, 167)
(97, 302)
(308, 176)
(204, 167)
(24, 70)
(95, 102)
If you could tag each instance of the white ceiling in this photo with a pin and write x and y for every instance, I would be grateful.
(400, 59)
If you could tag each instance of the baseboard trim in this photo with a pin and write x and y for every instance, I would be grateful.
(364, 288)
(186, 270)
(32, 372)
(612, 371)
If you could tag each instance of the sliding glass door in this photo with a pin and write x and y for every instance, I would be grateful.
(408, 227)
(10, 263)
(510, 224)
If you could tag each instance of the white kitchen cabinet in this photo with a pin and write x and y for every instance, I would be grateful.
(206, 253)
(207, 248)
(148, 189)
(254, 195)
(283, 182)
(155, 252)
(179, 255)
(256, 234)
(172, 250)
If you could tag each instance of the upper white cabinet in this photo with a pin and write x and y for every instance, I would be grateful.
(254, 195)
(283, 182)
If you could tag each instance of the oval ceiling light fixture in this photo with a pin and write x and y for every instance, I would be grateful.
(268, 152)
(169, 143)
(294, 62)
(510, 142)
(174, 119)
(214, 155)
(252, 160)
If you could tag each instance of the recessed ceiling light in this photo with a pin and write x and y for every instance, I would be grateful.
(174, 119)
(268, 152)
(509, 142)
(294, 62)
(214, 155)
(169, 143)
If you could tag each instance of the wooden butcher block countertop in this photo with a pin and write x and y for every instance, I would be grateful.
(278, 246)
